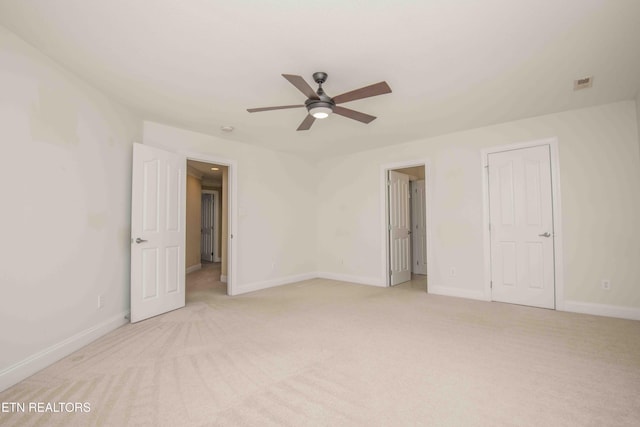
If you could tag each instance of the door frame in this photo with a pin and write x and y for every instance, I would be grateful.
(232, 212)
(556, 213)
(384, 212)
(216, 230)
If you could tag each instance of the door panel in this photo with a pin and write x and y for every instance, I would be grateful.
(150, 197)
(157, 220)
(173, 269)
(149, 273)
(521, 215)
(399, 228)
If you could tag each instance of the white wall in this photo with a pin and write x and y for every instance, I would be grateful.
(600, 192)
(65, 178)
(276, 195)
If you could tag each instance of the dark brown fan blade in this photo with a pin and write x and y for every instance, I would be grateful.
(352, 114)
(282, 107)
(302, 85)
(363, 92)
(307, 122)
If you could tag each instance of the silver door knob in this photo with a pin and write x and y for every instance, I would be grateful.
(139, 240)
(547, 234)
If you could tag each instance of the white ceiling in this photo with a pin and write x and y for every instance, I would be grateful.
(452, 64)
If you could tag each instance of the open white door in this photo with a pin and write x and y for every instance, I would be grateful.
(399, 228)
(418, 227)
(521, 219)
(157, 232)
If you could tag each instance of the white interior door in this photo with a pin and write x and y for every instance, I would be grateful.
(157, 232)
(399, 228)
(418, 228)
(521, 220)
(206, 228)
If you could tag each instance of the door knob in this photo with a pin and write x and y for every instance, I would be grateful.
(139, 240)
(546, 234)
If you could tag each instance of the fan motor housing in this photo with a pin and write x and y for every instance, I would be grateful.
(315, 103)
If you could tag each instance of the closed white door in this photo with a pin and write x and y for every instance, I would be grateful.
(206, 228)
(399, 228)
(521, 221)
(418, 228)
(157, 232)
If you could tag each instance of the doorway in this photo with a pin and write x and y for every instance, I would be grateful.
(522, 240)
(206, 217)
(158, 228)
(406, 222)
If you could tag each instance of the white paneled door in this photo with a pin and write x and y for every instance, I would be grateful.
(206, 228)
(157, 232)
(418, 228)
(521, 227)
(399, 228)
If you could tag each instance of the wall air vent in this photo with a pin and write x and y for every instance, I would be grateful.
(583, 83)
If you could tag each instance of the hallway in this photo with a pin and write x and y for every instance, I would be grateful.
(205, 282)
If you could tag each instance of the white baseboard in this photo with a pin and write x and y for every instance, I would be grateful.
(193, 268)
(456, 292)
(38, 361)
(217, 259)
(371, 281)
(256, 286)
(621, 312)
(223, 278)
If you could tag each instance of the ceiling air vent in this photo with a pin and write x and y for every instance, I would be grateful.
(583, 83)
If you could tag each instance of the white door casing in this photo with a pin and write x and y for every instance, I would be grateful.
(418, 227)
(521, 226)
(399, 228)
(157, 232)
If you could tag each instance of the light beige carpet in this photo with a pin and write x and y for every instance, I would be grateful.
(326, 353)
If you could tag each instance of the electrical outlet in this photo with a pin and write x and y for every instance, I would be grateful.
(606, 284)
(100, 301)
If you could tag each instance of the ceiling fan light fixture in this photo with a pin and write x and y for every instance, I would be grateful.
(319, 105)
(320, 109)
(320, 112)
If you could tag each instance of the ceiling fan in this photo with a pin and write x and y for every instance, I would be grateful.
(320, 105)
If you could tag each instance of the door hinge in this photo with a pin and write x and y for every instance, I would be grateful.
(491, 284)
